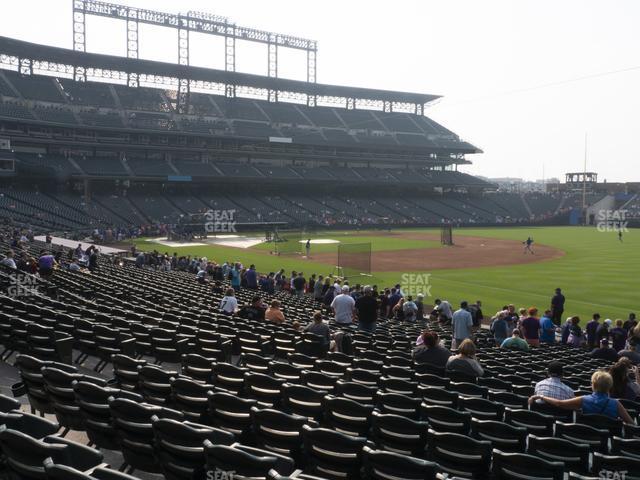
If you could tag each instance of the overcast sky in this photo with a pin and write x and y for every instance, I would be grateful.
(522, 79)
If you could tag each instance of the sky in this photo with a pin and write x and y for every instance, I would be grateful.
(524, 80)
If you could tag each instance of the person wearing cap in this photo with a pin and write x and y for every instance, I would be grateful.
(443, 308)
(343, 306)
(552, 387)
(461, 324)
(367, 310)
(515, 342)
(318, 327)
(605, 351)
(631, 352)
(430, 351)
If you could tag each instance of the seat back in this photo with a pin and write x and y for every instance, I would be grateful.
(445, 419)
(605, 466)
(332, 453)
(399, 434)
(519, 466)
(502, 436)
(574, 456)
(459, 455)
(382, 465)
(179, 446)
(535, 423)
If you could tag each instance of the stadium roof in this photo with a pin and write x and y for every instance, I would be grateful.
(44, 53)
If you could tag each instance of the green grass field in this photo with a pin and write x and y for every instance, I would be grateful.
(597, 272)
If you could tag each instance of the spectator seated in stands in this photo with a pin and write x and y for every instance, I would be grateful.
(274, 314)
(598, 402)
(8, 260)
(605, 351)
(552, 386)
(618, 336)
(201, 276)
(631, 352)
(515, 342)
(318, 327)
(255, 310)
(625, 380)
(430, 351)
(465, 362)
(229, 303)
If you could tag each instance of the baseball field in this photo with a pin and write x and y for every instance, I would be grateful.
(596, 271)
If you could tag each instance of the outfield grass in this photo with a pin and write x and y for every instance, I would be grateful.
(597, 273)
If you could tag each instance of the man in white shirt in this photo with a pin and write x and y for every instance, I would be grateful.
(343, 307)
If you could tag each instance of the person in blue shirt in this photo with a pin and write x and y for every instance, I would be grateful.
(499, 327)
(598, 402)
(461, 324)
(547, 328)
(235, 277)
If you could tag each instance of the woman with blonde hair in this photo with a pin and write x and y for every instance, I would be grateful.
(599, 401)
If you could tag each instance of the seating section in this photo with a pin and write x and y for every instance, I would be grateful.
(153, 380)
(91, 94)
(35, 87)
(152, 206)
(98, 104)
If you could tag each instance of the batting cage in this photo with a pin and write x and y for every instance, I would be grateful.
(287, 242)
(446, 235)
(354, 259)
